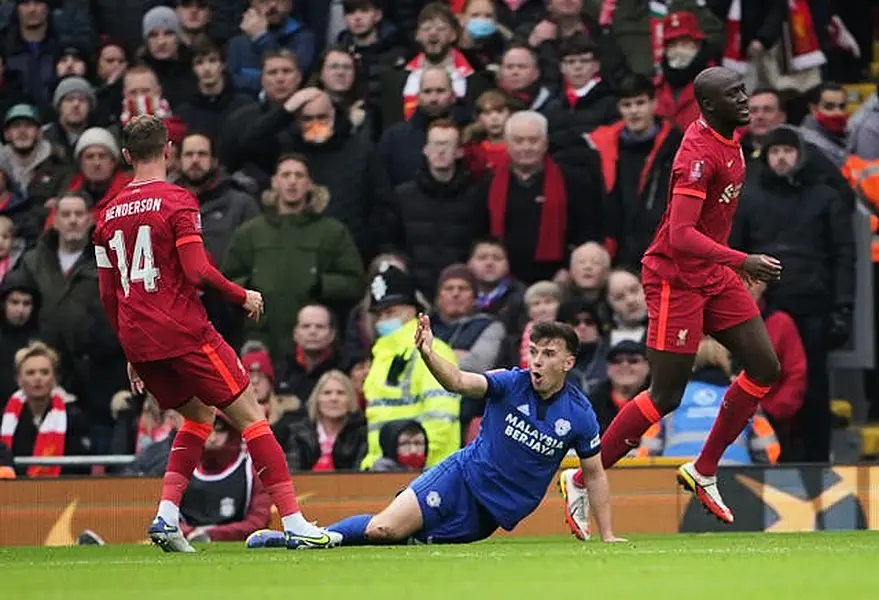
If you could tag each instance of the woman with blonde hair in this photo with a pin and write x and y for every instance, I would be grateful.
(331, 435)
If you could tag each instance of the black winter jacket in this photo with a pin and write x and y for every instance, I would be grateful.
(804, 224)
(437, 223)
(297, 435)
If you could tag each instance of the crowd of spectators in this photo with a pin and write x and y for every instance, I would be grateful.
(494, 163)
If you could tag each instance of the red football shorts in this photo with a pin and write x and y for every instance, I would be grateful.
(678, 317)
(213, 374)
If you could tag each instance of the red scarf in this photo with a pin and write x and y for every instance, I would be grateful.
(803, 51)
(462, 70)
(553, 216)
(50, 437)
(149, 429)
(119, 181)
(326, 442)
(572, 95)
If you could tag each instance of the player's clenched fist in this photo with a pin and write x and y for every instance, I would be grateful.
(253, 305)
(762, 267)
(423, 335)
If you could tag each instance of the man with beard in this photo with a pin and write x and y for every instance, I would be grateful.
(20, 302)
(339, 159)
(36, 169)
(372, 40)
(402, 143)
(686, 54)
(267, 25)
(74, 100)
(280, 78)
(436, 34)
(209, 109)
(62, 267)
(224, 204)
(788, 211)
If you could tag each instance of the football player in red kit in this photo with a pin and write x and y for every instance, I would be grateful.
(151, 263)
(693, 285)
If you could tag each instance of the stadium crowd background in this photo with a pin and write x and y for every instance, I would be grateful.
(354, 162)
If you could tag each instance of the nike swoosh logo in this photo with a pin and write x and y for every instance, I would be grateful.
(176, 448)
(320, 541)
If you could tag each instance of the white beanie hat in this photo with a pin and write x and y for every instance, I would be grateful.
(96, 136)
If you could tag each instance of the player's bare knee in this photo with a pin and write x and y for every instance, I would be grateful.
(382, 531)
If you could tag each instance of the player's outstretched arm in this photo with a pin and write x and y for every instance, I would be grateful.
(598, 489)
(453, 379)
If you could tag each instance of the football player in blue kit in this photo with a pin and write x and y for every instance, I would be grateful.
(532, 418)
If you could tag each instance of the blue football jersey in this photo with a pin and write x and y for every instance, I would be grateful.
(510, 464)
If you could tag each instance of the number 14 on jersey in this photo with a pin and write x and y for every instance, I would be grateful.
(143, 268)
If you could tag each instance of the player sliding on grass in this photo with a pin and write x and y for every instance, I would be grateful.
(151, 262)
(531, 420)
(693, 284)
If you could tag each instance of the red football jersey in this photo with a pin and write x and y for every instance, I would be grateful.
(710, 167)
(160, 314)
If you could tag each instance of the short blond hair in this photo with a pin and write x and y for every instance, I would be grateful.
(34, 350)
(311, 405)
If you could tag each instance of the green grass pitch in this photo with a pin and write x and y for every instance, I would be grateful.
(707, 567)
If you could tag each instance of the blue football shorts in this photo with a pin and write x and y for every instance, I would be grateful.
(450, 511)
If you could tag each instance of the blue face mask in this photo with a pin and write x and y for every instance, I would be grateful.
(480, 28)
(388, 326)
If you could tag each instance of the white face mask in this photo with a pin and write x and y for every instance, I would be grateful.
(680, 57)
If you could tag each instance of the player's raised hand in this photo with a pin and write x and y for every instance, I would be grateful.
(423, 335)
(760, 266)
(253, 305)
(137, 386)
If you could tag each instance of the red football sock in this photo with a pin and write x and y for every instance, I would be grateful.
(631, 422)
(185, 454)
(268, 458)
(739, 405)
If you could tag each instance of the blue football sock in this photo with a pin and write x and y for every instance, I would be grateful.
(353, 530)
